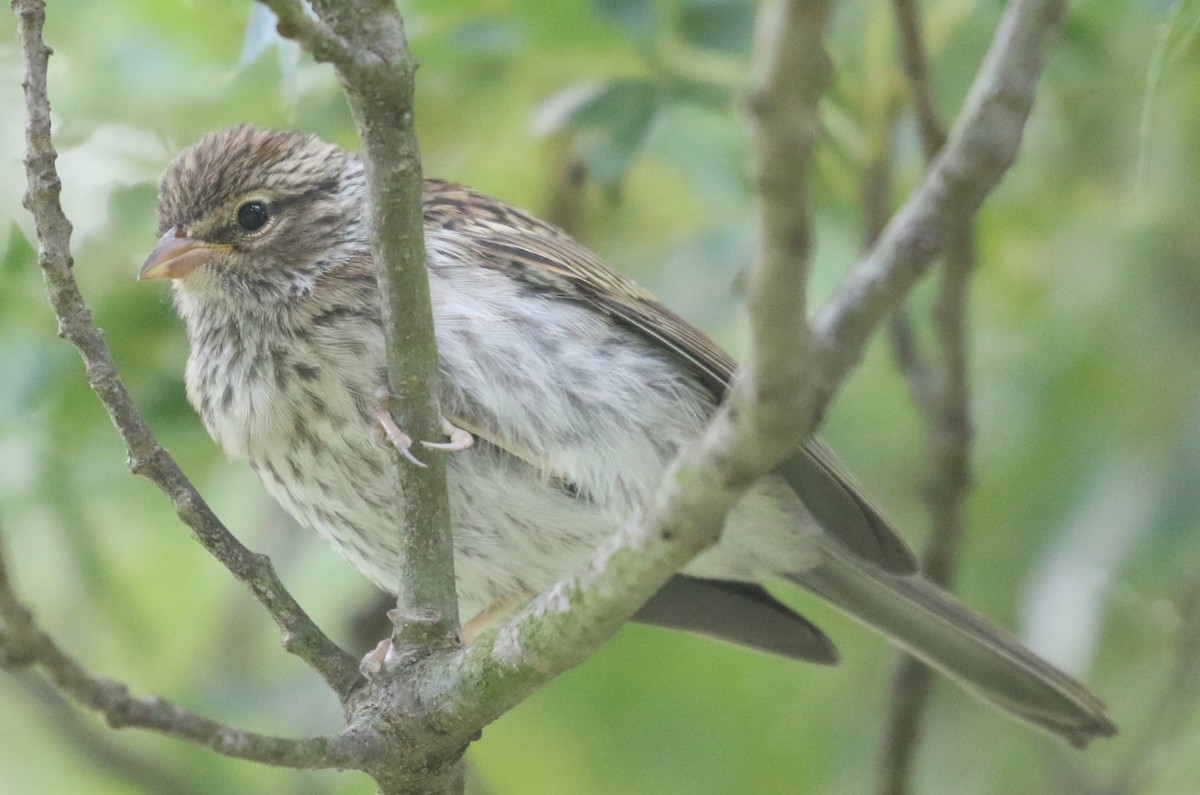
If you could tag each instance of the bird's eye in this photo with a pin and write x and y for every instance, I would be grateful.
(251, 216)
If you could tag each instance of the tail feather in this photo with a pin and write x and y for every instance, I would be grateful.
(947, 635)
(738, 612)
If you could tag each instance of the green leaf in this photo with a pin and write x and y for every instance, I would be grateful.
(19, 255)
(722, 25)
(612, 127)
(637, 18)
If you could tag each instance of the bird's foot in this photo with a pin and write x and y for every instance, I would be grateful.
(493, 614)
(378, 659)
(459, 439)
(391, 433)
(375, 659)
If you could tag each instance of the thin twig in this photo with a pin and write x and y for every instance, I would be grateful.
(146, 457)
(379, 86)
(294, 22)
(911, 359)
(942, 396)
(23, 644)
(980, 150)
(789, 73)
(104, 751)
(949, 480)
(377, 76)
(911, 683)
(916, 69)
(941, 392)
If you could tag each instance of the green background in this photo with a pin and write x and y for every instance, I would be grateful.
(1086, 319)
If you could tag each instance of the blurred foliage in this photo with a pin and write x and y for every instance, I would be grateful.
(618, 118)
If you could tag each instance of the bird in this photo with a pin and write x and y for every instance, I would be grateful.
(566, 390)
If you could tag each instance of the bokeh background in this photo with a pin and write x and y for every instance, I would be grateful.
(618, 118)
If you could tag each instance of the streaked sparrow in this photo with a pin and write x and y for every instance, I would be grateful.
(576, 386)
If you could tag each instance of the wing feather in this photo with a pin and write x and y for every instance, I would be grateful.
(546, 257)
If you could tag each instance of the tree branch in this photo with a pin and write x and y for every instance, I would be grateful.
(24, 644)
(377, 76)
(948, 481)
(979, 151)
(146, 457)
(916, 69)
(782, 115)
(104, 751)
(294, 22)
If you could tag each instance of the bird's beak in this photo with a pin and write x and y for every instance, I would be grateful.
(176, 255)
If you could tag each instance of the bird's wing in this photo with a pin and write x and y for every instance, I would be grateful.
(546, 257)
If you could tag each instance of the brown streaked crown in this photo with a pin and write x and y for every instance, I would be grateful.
(230, 165)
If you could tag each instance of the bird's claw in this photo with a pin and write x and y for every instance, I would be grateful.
(399, 439)
(375, 659)
(459, 439)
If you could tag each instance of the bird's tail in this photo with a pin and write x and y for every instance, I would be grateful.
(950, 637)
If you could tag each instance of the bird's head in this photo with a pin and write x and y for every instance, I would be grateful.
(258, 211)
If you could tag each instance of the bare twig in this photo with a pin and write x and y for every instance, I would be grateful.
(104, 750)
(301, 636)
(782, 114)
(294, 22)
(911, 682)
(24, 644)
(941, 392)
(982, 146)
(949, 478)
(376, 72)
(916, 68)
(377, 76)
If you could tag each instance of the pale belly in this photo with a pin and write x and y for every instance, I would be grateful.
(516, 532)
